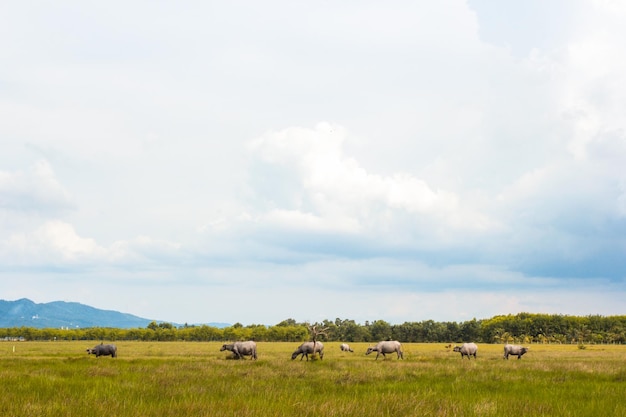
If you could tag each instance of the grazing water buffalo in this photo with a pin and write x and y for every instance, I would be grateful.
(467, 349)
(386, 347)
(514, 350)
(345, 348)
(103, 350)
(307, 348)
(241, 349)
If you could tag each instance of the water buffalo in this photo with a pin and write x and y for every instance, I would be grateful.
(345, 348)
(241, 349)
(514, 350)
(307, 348)
(467, 349)
(386, 347)
(103, 350)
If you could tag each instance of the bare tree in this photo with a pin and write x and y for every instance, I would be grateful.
(315, 332)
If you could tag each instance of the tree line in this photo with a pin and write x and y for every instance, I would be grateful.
(518, 328)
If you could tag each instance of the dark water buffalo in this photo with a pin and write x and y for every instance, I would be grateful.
(103, 350)
(307, 348)
(386, 347)
(345, 348)
(514, 350)
(467, 349)
(241, 349)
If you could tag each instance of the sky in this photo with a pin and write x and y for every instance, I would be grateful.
(245, 161)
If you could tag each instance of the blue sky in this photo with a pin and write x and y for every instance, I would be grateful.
(256, 161)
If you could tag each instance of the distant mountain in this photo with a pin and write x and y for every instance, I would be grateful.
(57, 314)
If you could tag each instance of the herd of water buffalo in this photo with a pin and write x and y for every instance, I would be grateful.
(249, 348)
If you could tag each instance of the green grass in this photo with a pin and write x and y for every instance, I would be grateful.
(196, 379)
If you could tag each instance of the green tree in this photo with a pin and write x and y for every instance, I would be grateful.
(380, 330)
(470, 331)
(287, 323)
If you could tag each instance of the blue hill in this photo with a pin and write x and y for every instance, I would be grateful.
(57, 314)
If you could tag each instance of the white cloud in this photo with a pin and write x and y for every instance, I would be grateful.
(464, 158)
(54, 242)
(326, 186)
(594, 80)
(296, 220)
(35, 189)
(144, 249)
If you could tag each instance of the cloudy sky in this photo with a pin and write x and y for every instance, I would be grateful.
(250, 162)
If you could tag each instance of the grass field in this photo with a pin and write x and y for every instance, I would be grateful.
(196, 379)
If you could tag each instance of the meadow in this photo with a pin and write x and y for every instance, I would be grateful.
(196, 379)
